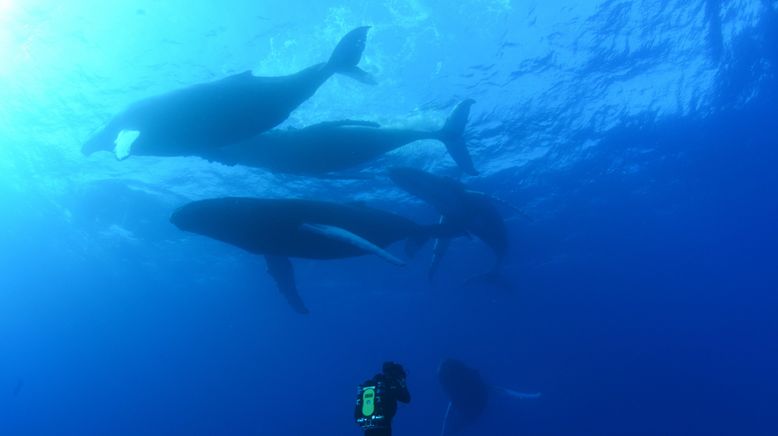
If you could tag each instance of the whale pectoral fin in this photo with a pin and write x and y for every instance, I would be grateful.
(340, 123)
(280, 268)
(102, 140)
(514, 394)
(439, 249)
(343, 235)
(491, 198)
(444, 429)
(348, 53)
(359, 75)
(123, 143)
(454, 421)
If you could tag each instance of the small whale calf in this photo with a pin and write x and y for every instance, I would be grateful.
(339, 145)
(282, 228)
(202, 117)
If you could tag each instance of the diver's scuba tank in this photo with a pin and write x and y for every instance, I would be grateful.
(369, 411)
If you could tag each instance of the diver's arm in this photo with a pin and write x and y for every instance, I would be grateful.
(401, 392)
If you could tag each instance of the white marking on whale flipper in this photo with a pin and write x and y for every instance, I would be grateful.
(123, 142)
(515, 394)
(454, 422)
(445, 420)
(439, 249)
(343, 235)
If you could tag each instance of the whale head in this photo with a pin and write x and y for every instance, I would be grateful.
(212, 217)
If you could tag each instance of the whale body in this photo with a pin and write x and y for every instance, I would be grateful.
(472, 211)
(335, 146)
(279, 229)
(198, 118)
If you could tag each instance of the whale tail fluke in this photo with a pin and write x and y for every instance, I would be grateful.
(452, 135)
(280, 268)
(348, 53)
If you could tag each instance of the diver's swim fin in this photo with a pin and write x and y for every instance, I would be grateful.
(343, 235)
(280, 268)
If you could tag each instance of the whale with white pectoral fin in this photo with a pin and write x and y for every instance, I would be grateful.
(193, 120)
(280, 229)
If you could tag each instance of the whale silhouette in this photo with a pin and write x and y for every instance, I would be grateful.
(334, 146)
(192, 120)
(472, 211)
(469, 395)
(282, 228)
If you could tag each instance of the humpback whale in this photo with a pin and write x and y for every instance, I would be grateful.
(338, 145)
(192, 120)
(469, 395)
(474, 212)
(282, 228)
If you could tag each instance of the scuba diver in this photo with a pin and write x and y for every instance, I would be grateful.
(377, 400)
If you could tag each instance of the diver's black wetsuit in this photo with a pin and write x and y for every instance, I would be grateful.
(395, 390)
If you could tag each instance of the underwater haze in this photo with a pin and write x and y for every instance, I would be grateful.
(639, 294)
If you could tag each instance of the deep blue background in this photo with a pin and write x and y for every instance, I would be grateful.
(644, 295)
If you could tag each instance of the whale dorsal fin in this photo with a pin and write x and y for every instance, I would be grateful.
(343, 235)
(280, 268)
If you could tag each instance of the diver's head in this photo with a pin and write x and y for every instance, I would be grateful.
(394, 370)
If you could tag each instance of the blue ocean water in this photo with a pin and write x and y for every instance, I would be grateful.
(638, 136)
